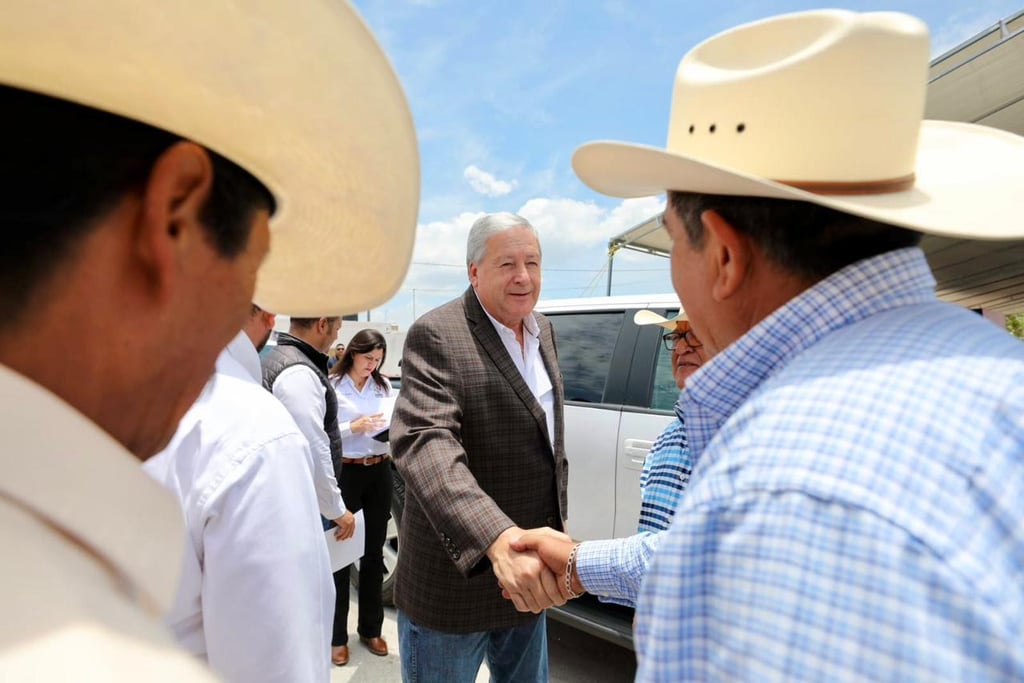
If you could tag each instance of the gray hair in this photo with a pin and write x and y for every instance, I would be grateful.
(489, 225)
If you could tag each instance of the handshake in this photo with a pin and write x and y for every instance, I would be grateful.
(534, 568)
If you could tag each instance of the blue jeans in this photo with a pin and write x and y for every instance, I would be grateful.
(515, 655)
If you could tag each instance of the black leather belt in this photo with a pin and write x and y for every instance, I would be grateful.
(367, 461)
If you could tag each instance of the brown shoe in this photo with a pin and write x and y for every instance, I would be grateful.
(377, 646)
(339, 655)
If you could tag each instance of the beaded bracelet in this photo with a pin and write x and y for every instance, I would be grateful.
(569, 564)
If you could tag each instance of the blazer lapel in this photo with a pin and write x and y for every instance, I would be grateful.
(484, 331)
(550, 357)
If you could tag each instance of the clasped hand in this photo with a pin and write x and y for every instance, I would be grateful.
(524, 576)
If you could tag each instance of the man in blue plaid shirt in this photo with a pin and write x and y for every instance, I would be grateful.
(856, 508)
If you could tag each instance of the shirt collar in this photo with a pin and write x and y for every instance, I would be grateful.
(529, 323)
(720, 386)
(76, 477)
(239, 359)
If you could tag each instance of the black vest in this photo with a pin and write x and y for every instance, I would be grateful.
(293, 351)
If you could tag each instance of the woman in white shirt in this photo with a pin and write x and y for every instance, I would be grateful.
(363, 393)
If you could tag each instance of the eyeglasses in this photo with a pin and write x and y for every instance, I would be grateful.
(688, 338)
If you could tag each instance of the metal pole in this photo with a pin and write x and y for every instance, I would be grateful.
(612, 249)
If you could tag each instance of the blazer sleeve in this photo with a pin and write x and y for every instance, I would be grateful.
(427, 447)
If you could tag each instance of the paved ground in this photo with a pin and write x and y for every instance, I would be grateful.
(573, 657)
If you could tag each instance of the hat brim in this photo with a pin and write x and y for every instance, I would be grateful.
(967, 181)
(648, 317)
(297, 93)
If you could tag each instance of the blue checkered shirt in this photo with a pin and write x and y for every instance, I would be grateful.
(856, 510)
(613, 569)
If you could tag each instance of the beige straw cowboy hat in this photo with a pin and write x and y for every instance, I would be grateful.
(297, 92)
(648, 317)
(824, 107)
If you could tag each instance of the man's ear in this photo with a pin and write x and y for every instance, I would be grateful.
(170, 223)
(729, 252)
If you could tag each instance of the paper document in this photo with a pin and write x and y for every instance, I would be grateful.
(344, 553)
(387, 407)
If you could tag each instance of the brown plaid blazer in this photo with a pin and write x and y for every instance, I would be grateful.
(471, 442)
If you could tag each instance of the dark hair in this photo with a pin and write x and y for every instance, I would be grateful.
(64, 165)
(805, 239)
(364, 341)
(306, 323)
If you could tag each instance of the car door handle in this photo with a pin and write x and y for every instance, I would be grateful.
(636, 453)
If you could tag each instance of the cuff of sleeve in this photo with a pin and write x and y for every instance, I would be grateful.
(473, 558)
(592, 560)
(613, 568)
(334, 511)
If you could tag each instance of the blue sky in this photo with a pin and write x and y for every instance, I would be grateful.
(503, 92)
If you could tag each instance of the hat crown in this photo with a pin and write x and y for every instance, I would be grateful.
(845, 90)
(823, 107)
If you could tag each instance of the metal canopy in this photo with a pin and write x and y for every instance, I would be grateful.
(980, 81)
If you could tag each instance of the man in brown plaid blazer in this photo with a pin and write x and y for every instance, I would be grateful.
(477, 436)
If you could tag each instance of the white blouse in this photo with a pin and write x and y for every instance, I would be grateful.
(353, 404)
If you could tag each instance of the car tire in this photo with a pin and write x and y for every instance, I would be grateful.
(387, 589)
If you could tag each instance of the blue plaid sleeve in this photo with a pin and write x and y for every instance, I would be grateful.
(614, 569)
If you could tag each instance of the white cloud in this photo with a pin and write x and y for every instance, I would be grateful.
(486, 184)
(569, 229)
(574, 237)
(566, 221)
(632, 212)
(574, 223)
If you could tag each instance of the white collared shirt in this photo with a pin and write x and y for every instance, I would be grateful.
(256, 598)
(92, 550)
(529, 363)
(353, 404)
(301, 392)
(240, 359)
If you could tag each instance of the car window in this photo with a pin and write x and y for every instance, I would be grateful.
(585, 345)
(665, 392)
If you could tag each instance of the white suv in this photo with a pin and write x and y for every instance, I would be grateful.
(619, 394)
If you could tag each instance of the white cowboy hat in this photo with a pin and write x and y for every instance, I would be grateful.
(648, 317)
(823, 107)
(297, 92)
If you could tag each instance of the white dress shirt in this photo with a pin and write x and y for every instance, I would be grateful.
(92, 548)
(529, 363)
(353, 404)
(301, 392)
(256, 598)
(240, 354)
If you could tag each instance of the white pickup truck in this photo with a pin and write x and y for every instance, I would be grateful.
(619, 394)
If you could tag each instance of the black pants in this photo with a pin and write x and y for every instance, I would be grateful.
(367, 489)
